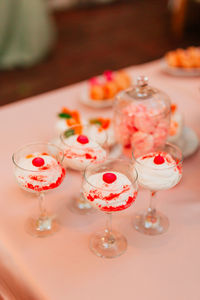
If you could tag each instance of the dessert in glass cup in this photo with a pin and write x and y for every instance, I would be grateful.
(38, 168)
(110, 187)
(157, 170)
(67, 118)
(80, 150)
(96, 128)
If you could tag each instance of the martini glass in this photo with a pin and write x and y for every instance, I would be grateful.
(81, 150)
(110, 187)
(38, 169)
(157, 170)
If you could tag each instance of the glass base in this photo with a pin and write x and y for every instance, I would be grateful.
(42, 227)
(151, 223)
(80, 206)
(114, 247)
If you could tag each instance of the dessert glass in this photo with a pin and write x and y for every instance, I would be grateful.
(110, 187)
(80, 150)
(38, 168)
(157, 170)
(96, 128)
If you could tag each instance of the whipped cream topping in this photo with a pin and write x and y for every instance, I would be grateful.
(114, 196)
(100, 136)
(158, 176)
(61, 126)
(46, 177)
(78, 156)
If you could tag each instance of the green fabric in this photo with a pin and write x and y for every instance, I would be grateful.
(26, 32)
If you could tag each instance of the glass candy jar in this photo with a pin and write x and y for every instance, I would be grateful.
(142, 117)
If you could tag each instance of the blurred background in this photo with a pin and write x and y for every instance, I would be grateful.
(48, 44)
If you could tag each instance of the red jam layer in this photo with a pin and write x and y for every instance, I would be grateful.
(71, 155)
(53, 185)
(121, 207)
(97, 195)
(111, 196)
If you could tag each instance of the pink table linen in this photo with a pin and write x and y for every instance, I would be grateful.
(62, 267)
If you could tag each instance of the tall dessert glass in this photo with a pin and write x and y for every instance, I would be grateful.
(81, 150)
(157, 170)
(38, 168)
(110, 187)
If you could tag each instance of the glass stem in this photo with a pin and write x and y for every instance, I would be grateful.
(109, 223)
(42, 209)
(152, 208)
(108, 239)
(81, 198)
(44, 222)
(81, 201)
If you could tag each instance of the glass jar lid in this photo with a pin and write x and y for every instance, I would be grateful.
(148, 96)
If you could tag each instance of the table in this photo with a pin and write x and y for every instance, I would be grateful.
(61, 267)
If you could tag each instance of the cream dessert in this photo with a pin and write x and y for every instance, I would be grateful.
(67, 118)
(110, 191)
(80, 151)
(158, 171)
(39, 172)
(176, 125)
(96, 129)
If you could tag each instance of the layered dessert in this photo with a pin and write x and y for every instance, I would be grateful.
(141, 128)
(39, 172)
(80, 150)
(110, 191)
(67, 118)
(105, 87)
(96, 129)
(158, 171)
(176, 125)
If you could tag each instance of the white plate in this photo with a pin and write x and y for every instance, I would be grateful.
(188, 142)
(175, 71)
(85, 99)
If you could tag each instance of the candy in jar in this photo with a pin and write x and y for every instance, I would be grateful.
(142, 117)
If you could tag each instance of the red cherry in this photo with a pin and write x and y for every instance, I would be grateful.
(158, 160)
(38, 161)
(109, 177)
(82, 139)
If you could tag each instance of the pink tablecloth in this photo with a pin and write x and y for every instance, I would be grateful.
(61, 267)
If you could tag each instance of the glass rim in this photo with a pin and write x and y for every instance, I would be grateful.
(107, 161)
(167, 168)
(32, 144)
(62, 138)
